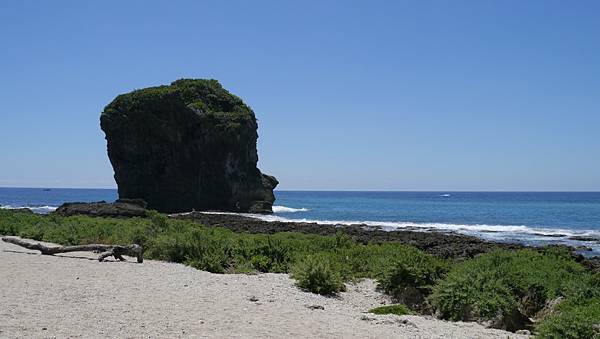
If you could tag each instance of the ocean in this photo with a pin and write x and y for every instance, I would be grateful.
(531, 218)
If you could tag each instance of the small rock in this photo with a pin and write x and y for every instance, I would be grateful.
(253, 298)
(315, 307)
(44, 328)
(404, 322)
(525, 332)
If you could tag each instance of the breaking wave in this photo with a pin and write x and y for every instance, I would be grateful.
(35, 209)
(284, 209)
(480, 229)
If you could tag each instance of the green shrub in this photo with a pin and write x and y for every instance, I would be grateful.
(409, 278)
(502, 282)
(261, 263)
(211, 250)
(271, 256)
(160, 222)
(317, 274)
(397, 309)
(573, 321)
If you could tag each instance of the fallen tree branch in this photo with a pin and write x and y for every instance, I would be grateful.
(116, 251)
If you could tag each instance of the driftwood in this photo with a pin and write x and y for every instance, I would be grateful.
(116, 251)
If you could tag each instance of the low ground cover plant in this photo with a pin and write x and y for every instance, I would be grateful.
(397, 309)
(318, 274)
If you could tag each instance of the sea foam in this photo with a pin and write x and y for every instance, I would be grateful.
(285, 209)
(459, 228)
(35, 209)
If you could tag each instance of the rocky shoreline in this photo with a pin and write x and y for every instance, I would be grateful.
(441, 244)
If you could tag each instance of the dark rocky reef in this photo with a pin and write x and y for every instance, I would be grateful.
(121, 208)
(189, 145)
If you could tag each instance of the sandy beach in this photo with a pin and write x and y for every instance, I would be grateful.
(74, 296)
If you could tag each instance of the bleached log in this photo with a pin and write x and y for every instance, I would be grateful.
(117, 251)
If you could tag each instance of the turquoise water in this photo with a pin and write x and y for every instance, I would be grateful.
(534, 218)
(528, 217)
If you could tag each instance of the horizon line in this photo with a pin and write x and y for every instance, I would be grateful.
(348, 190)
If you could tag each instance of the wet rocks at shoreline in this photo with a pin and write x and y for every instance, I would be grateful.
(121, 208)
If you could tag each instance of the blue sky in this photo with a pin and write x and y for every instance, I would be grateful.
(381, 95)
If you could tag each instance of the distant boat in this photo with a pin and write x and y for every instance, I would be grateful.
(46, 189)
(445, 195)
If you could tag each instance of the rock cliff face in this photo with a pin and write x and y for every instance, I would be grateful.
(189, 145)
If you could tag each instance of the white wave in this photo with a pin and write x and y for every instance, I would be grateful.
(43, 209)
(35, 209)
(459, 228)
(285, 209)
(445, 195)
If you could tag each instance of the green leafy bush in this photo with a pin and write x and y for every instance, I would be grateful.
(160, 222)
(502, 283)
(211, 250)
(397, 309)
(317, 274)
(408, 278)
(573, 321)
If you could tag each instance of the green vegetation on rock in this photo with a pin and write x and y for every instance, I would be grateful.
(204, 95)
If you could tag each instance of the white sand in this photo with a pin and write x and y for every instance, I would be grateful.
(73, 295)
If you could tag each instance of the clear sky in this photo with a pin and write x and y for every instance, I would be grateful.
(381, 95)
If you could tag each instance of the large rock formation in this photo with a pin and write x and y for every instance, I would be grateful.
(190, 145)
